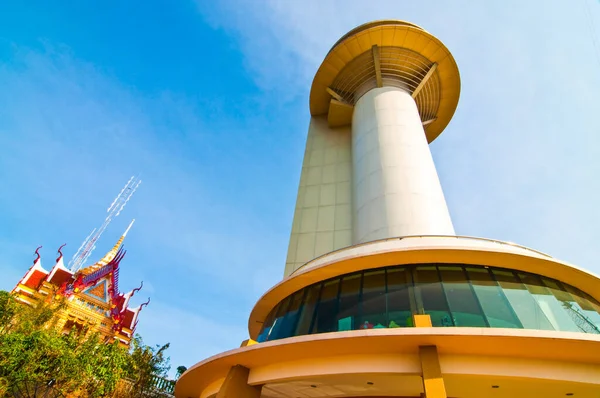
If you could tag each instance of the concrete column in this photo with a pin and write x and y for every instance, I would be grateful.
(396, 190)
(236, 385)
(433, 383)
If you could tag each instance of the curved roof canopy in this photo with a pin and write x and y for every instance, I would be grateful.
(388, 53)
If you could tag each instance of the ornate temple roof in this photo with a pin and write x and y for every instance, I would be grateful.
(95, 286)
(36, 274)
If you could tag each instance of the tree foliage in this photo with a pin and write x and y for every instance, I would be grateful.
(79, 364)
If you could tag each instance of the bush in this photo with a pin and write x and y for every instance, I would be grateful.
(79, 364)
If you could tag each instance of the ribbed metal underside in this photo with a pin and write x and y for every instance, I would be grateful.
(401, 68)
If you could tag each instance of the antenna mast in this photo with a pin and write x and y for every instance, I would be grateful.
(89, 244)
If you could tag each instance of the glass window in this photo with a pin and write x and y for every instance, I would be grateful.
(588, 309)
(266, 328)
(288, 322)
(463, 304)
(553, 309)
(308, 310)
(494, 303)
(325, 318)
(429, 292)
(274, 332)
(348, 304)
(452, 294)
(399, 295)
(373, 306)
(524, 305)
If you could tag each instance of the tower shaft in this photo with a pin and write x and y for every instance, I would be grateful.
(396, 190)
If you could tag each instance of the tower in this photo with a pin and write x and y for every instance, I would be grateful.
(380, 298)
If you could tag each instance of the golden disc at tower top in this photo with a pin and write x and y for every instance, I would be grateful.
(404, 53)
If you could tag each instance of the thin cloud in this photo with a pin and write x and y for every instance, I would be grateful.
(518, 162)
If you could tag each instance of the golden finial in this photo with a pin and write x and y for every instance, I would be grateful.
(108, 257)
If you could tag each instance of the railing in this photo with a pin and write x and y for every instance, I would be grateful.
(159, 387)
(582, 321)
(424, 236)
(163, 385)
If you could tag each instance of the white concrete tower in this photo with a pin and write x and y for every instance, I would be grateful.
(380, 298)
(384, 91)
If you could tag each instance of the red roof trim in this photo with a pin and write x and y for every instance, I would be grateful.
(35, 279)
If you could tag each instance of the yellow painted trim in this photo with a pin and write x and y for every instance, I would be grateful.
(377, 64)
(26, 288)
(236, 385)
(340, 113)
(422, 83)
(334, 94)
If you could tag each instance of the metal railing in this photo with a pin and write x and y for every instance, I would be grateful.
(158, 387)
(582, 321)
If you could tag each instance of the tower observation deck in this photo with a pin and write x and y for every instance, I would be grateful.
(380, 297)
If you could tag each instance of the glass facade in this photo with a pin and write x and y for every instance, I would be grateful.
(452, 294)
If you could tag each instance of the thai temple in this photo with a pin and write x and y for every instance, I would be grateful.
(92, 292)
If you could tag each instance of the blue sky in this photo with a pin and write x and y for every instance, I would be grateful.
(209, 103)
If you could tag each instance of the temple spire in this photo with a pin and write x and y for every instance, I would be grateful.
(108, 257)
(113, 252)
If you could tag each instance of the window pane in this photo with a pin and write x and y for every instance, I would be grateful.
(398, 297)
(325, 319)
(288, 322)
(429, 291)
(348, 304)
(373, 311)
(461, 299)
(522, 302)
(552, 307)
(308, 310)
(266, 328)
(587, 307)
(451, 294)
(494, 303)
(278, 319)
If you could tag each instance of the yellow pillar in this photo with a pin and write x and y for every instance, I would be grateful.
(248, 342)
(236, 384)
(433, 383)
(422, 320)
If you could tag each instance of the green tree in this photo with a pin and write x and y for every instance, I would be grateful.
(145, 364)
(33, 351)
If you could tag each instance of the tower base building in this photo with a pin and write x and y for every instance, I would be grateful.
(380, 298)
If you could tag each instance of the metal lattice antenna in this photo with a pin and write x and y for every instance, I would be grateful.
(89, 244)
